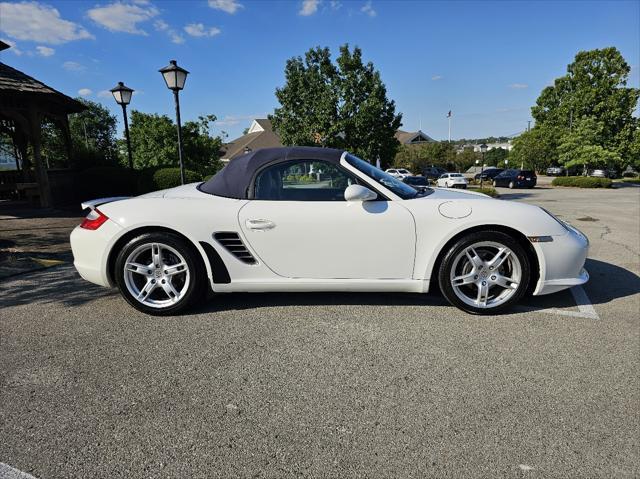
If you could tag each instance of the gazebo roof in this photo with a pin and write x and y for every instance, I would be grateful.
(14, 84)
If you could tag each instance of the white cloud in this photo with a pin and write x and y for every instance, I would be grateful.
(437, 77)
(199, 30)
(104, 94)
(163, 26)
(123, 17)
(309, 7)
(14, 46)
(367, 9)
(84, 92)
(38, 23)
(229, 6)
(335, 5)
(518, 86)
(73, 67)
(45, 51)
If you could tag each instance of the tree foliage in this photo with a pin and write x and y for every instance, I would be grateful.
(586, 116)
(443, 154)
(496, 157)
(154, 143)
(342, 105)
(93, 138)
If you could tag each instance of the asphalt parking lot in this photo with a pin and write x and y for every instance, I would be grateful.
(332, 385)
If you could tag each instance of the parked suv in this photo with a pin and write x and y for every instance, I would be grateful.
(433, 172)
(516, 179)
(419, 183)
(488, 174)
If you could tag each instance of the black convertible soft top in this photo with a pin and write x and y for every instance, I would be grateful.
(234, 180)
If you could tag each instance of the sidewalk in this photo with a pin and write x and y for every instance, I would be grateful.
(33, 238)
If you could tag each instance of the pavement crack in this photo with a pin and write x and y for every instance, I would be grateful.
(607, 231)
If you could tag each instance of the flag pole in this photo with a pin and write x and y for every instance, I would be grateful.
(449, 118)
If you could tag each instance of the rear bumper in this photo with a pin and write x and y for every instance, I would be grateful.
(91, 251)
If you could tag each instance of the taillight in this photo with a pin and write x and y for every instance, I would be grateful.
(94, 220)
(520, 177)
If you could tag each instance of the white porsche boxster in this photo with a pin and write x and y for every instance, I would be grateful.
(316, 219)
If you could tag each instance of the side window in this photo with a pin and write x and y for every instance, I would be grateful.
(302, 180)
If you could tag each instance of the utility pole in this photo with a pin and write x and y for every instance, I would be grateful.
(528, 125)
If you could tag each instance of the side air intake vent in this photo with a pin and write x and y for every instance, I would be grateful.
(234, 245)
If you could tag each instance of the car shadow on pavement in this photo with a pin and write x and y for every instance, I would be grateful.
(55, 285)
(609, 281)
(513, 196)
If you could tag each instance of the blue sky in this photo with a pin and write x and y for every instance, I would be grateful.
(486, 61)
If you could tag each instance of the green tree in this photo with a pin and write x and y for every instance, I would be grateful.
(154, 143)
(417, 157)
(582, 146)
(343, 105)
(93, 138)
(595, 91)
(496, 157)
(536, 149)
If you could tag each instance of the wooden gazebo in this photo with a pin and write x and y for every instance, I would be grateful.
(24, 103)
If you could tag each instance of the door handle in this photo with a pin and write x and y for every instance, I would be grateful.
(260, 225)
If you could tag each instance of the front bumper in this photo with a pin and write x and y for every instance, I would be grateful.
(91, 251)
(562, 262)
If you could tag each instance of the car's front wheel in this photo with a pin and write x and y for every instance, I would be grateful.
(512, 185)
(159, 273)
(484, 272)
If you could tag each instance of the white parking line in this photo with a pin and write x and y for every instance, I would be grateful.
(585, 308)
(8, 472)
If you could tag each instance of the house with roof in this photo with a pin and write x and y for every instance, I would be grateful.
(412, 137)
(259, 135)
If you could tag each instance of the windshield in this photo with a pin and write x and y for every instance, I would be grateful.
(401, 189)
(455, 175)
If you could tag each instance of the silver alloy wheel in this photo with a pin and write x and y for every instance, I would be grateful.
(485, 274)
(156, 275)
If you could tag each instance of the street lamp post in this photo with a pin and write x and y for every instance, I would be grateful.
(483, 150)
(122, 94)
(175, 77)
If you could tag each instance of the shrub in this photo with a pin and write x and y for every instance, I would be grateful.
(635, 181)
(170, 177)
(487, 191)
(103, 181)
(582, 182)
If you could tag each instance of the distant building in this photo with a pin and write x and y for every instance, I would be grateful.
(490, 146)
(259, 135)
(412, 137)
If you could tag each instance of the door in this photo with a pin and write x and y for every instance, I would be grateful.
(300, 226)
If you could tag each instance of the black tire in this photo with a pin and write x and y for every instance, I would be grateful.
(197, 274)
(511, 185)
(444, 273)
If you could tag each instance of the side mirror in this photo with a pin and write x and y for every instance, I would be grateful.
(359, 193)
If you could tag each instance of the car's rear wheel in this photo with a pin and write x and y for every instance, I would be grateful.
(484, 272)
(512, 185)
(495, 183)
(159, 273)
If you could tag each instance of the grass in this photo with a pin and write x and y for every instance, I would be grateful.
(582, 182)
